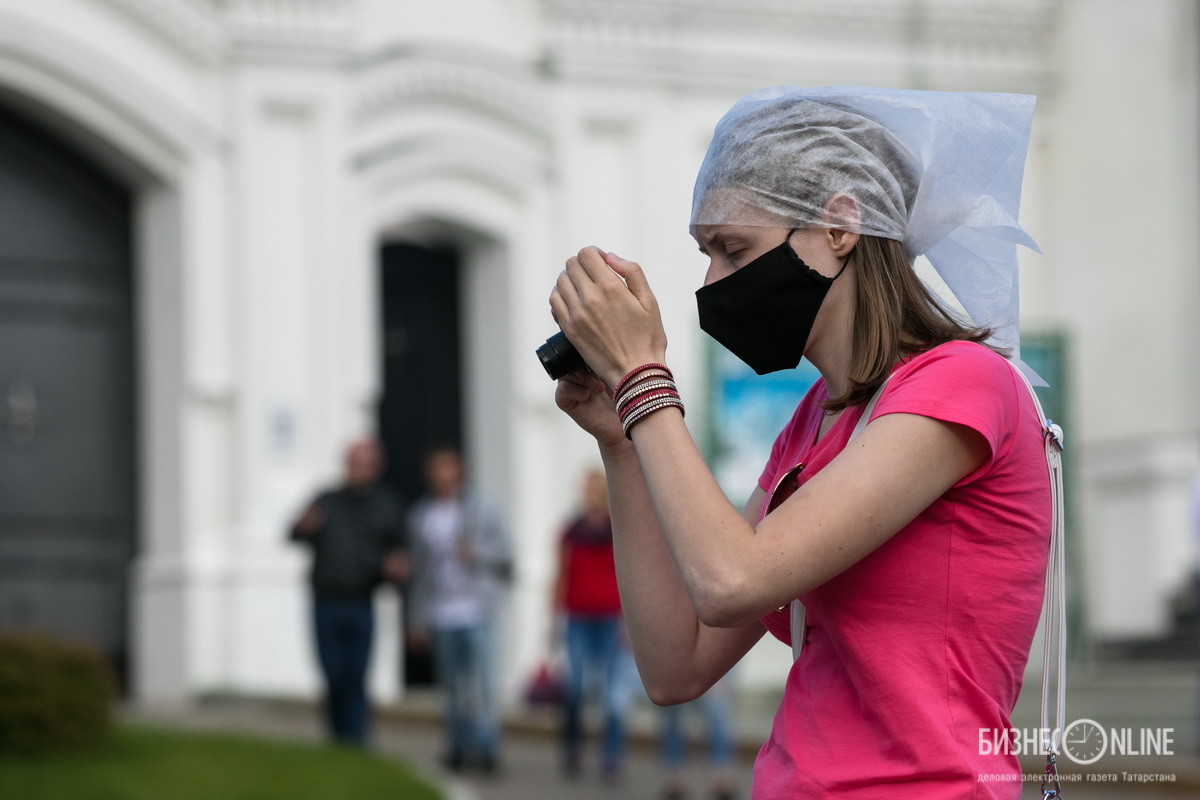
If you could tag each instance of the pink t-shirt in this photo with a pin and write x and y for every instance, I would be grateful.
(914, 649)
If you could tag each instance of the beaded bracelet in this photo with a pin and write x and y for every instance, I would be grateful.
(634, 392)
(637, 371)
(644, 411)
(643, 391)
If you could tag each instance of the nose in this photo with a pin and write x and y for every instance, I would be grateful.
(715, 272)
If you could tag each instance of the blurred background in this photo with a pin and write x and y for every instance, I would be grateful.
(236, 234)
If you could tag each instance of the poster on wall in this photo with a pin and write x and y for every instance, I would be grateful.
(747, 412)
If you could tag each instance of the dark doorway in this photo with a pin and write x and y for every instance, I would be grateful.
(422, 399)
(67, 452)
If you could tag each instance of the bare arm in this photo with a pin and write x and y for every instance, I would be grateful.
(678, 656)
(736, 572)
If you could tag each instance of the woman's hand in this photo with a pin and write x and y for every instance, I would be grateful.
(604, 305)
(585, 399)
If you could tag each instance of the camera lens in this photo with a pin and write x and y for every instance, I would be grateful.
(559, 356)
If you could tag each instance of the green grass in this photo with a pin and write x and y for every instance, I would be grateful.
(147, 764)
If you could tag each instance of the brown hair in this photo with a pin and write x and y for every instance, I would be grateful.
(895, 316)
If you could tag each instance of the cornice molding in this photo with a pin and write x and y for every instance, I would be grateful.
(513, 95)
(289, 25)
(961, 21)
(191, 27)
(688, 41)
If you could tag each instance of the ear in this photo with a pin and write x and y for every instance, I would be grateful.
(843, 218)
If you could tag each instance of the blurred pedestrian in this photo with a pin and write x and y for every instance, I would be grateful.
(587, 609)
(717, 708)
(356, 534)
(462, 560)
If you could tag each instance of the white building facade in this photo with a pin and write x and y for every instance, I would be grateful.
(272, 149)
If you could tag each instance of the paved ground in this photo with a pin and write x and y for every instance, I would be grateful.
(1122, 696)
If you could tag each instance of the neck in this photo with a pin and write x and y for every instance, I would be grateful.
(831, 356)
(831, 342)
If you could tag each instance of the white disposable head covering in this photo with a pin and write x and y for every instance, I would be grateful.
(939, 172)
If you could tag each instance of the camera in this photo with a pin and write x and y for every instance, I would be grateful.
(559, 356)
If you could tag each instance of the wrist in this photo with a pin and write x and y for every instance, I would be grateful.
(616, 451)
(612, 377)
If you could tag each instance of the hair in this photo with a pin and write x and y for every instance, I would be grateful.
(895, 317)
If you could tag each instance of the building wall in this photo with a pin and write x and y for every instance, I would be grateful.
(1119, 231)
(275, 146)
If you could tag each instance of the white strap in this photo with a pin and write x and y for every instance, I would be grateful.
(799, 615)
(1054, 605)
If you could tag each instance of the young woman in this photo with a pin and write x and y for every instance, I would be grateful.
(918, 544)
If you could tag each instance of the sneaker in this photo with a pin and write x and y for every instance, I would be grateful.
(489, 765)
(454, 761)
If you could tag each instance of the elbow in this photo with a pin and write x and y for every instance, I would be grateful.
(673, 693)
(724, 601)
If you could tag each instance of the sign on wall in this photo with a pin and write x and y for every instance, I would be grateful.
(747, 412)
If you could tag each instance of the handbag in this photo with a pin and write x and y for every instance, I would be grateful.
(545, 686)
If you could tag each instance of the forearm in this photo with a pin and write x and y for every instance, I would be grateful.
(678, 657)
(710, 539)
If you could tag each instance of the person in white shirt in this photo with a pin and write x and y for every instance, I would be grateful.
(461, 563)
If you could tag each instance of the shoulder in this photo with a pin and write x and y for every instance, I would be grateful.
(388, 498)
(327, 496)
(955, 373)
(959, 382)
(480, 503)
(956, 362)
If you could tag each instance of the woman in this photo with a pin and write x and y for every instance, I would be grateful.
(586, 598)
(918, 546)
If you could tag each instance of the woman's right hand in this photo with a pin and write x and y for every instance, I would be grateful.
(584, 398)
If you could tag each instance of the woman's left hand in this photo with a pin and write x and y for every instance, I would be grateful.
(604, 305)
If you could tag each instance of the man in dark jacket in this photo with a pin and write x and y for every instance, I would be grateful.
(356, 533)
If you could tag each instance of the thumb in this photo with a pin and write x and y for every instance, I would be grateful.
(631, 272)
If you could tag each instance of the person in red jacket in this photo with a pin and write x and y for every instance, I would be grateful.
(589, 608)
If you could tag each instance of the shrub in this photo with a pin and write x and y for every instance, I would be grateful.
(53, 696)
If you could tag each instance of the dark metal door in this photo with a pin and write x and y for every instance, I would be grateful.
(422, 399)
(66, 393)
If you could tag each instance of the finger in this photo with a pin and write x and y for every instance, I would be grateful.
(566, 291)
(581, 280)
(591, 261)
(633, 275)
(570, 392)
(595, 385)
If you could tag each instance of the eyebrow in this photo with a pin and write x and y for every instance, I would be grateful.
(710, 239)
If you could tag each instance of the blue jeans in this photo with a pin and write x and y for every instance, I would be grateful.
(344, 630)
(717, 706)
(595, 654)
(463, 659)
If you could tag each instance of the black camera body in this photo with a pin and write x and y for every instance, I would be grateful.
(559, 357)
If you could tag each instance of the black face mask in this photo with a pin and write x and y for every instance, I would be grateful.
(764, 312)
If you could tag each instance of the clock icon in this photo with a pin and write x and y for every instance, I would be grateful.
(1085, 741)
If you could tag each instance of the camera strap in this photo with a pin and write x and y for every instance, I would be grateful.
(1054, 607)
